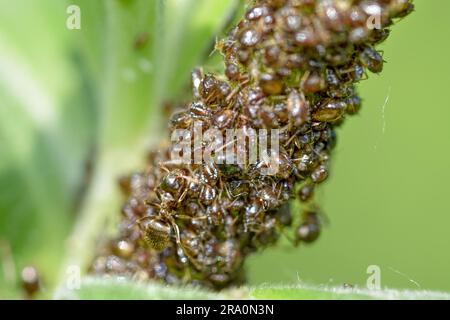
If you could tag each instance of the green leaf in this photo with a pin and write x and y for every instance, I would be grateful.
(122, 288)
(307, 292)
(116, 288)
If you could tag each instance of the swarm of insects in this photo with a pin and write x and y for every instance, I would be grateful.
(290, 65)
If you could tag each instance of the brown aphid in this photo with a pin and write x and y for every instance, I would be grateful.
(199, 110)
(353, 104)
(31, 282)
(270, 84)
(332, 78)
(196, 81)
(207, 194)
(378, 35)
(268, 117)
(180, 120)
(141, 40)
(400, 8)
(319, 174)
(123, 248)
(330, 111)
(371, 59)
(224, 118)
(306, 192)
(232, 71)
(125, 185)
(330, 14)
(257, 12)
(309, 230)
(355, 17)
(272, 54)
(156, 232)
(291, 19)
(243, 56)
(306, 37)
(359, 34)
(213, 90)
(297, 107)
(284, 215)
(313, 82)
(230, 254)
(249, 37)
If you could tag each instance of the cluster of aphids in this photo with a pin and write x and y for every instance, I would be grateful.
(290, 65)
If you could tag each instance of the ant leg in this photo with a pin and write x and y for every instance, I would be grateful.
(181, 247)
(183, 195)
(183, 216)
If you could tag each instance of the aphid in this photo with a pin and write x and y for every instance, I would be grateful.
(249, 37)
(319, 174)
(358, 34)
(313, 82)
(306, 162)
(141, 40)
(257, 12)
(232, 71)
(224, 118)
(379, 35)
(272, 54)
(268, 117)
(270, 84)
(309, 230)
(371, 59)
(215, 213)
(330, 14)
(353, 104)
(306, 37)
(355, 17)
(298, 108)
(212, 90)
(306, 192)
(207, 194)
(291, 19)
(332, 78)
(199, 110)
(401, 8)
(330, 111)
(123, 248)
(31, 282)
(196, 80)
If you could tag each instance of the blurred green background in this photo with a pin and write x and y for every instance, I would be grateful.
(77, 101)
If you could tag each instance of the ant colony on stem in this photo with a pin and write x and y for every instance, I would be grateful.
(290, 66)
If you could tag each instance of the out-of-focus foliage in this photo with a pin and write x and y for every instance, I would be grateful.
(80, 101)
